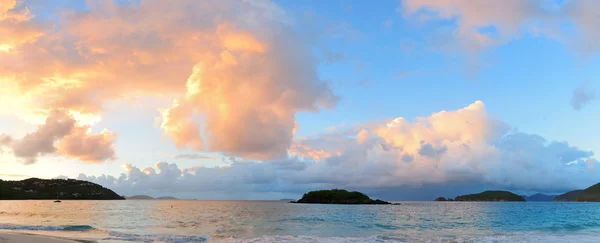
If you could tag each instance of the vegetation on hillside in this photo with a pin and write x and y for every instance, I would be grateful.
(568, 197)
(491, 196)
(590, 194)
(337, 196)
(40, 189)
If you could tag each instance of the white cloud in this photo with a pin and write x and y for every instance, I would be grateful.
(448, 147)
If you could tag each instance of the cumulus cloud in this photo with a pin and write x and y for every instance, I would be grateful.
(445, 148)
(239, 83)
(248, 94)
(60, 134)
(87, 147)
(58, 124)
(582, 96)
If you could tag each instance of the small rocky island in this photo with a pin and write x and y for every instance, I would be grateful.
(338, 196)
(491, 196)
(41, 189)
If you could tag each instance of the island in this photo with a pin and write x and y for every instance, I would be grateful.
(338, 196)
(568, 197)
(146, 197)
(590, 194)
(55, 189)
(167, 198)
(140, 197)
(491, 196)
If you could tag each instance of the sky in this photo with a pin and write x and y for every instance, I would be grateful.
(404, 100)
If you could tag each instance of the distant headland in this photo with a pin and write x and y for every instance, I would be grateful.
(590, 194)
(146, 197)
(491, 196)
(338, 196)
(41, 189)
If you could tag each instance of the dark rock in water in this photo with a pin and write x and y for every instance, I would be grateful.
(568, 197)
(56, 189)
(337, 196)
(440, 199)
(491, 196)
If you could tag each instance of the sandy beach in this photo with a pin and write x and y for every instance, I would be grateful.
(6, 237)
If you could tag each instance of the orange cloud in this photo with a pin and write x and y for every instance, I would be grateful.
(244, 84)
(73, 141)
(306, 151)
(92, 148)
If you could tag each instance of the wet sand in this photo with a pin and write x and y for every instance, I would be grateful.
(8, 237)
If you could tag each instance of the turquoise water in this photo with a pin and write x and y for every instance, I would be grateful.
(273, 221)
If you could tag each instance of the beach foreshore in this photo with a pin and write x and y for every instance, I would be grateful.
(10, 237)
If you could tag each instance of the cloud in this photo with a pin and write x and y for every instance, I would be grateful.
(482, 24)
(506, 18)
(581, 96)
(239, 84)
(249, 104)
(40, 142)
(459, 147)
(193, 157)
(5, 140)
(15, 28)
(60, 134)
(93, 148)
(331, 56)
(14, 176)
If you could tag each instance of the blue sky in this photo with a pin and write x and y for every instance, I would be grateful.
(381, 60)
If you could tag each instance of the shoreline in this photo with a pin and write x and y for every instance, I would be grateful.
(20, 237)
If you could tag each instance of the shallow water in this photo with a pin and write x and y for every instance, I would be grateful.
(274, 221)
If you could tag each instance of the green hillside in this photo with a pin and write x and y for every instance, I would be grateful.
(492, 196)
(337, 196)
(40, 189)
(568, 197)
(590, 194)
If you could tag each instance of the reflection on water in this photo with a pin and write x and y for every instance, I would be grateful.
(251, 219)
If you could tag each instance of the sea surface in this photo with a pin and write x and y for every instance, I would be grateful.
(275, 221)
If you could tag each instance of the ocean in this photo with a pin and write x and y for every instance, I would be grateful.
(275, 221)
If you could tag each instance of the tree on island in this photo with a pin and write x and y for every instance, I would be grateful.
(41, 189)
(338, 196)
(492, 196)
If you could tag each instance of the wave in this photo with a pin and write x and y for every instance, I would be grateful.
(312, 239)
(155, 238)
(47, 228)
(521, 238)
(524, 237)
